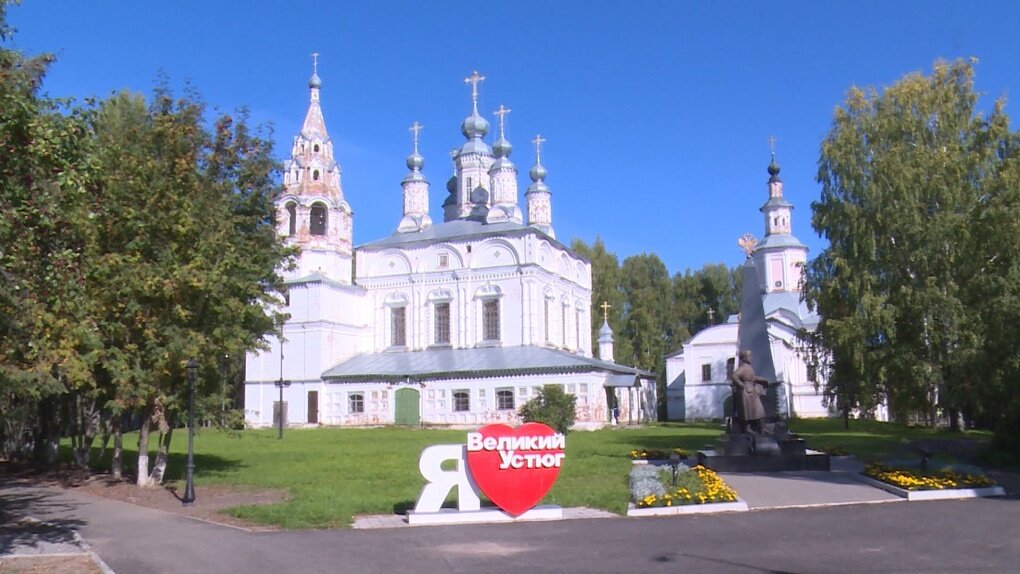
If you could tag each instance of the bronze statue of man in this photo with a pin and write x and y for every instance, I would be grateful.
(748, 389)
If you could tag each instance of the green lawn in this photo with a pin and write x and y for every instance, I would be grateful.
(873, 441)
(333, 474)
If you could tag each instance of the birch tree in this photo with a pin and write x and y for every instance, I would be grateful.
(905, 176)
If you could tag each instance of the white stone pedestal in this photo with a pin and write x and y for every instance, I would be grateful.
(454, 516)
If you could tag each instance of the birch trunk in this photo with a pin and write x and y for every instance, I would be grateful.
(86, 427)
(116, 466)
(143, 448)
(159, 468)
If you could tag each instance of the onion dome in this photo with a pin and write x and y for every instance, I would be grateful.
(315, 81)
(474, 126)
(773, 170)
(538, 173)
(452, 198)
(502, 148)
(415, 161)
(605, 331)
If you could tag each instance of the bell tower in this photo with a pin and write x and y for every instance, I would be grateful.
(312, 212)
(780, 257)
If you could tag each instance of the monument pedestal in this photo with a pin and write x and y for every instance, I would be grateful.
(775, 448)
(752, 452)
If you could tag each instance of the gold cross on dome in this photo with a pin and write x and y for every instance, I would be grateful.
(605, 310)
(415, 128)
(474, 79)
(538, 141)
(315, 62)
(711, 315)
(502, 112)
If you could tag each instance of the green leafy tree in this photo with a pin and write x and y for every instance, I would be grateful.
(46, 337)
(704, 298)
(649, 326)
(552, 407)
(189, 255)
(908, 180)
(605, 271)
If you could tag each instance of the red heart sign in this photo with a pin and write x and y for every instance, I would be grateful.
(515, 467)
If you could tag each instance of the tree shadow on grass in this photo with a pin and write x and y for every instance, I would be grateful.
(205, 464)
(647, 439)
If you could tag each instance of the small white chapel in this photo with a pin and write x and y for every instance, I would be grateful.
(698, 374)
(456, 321)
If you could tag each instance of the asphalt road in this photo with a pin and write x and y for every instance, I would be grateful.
(981, 535)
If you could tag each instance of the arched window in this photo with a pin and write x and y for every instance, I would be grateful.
(291, 218)
(318, 220)
(398, 324)
(315, 148)
(461, 401)
(490, 320)
(442, 316)
(315, 175)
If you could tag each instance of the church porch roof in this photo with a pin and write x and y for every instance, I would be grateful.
(458, 230)
(470, 363)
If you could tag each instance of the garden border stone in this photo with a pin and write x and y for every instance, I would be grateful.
(708, 508)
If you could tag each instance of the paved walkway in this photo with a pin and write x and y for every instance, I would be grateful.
(930, 537)
(25, 537)
(804, 489)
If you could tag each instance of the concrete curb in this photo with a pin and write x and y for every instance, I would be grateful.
(92, 554)
(681, 509)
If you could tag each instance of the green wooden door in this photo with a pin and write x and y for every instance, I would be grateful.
(407, 407)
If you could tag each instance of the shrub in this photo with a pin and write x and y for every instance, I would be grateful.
(646, 480)
(552, 407)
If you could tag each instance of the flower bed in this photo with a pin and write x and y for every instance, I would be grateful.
(656, 454)
(942, 484)
(909, 479)
(653, 486)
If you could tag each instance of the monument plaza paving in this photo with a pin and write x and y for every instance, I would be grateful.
(977, 535)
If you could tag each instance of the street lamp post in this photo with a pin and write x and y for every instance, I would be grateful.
(281, 383)
(189, 487)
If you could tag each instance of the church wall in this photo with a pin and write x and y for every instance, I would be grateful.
(437, 404)
(437, 401)
(675, 403)
(493, 268)
(706, 401)
(324, 262)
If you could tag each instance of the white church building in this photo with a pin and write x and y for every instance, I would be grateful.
(698, 374)
(457, 321)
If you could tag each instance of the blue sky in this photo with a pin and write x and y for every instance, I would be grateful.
(657, 115)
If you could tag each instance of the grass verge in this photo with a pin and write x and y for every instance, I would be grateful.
(333, 474)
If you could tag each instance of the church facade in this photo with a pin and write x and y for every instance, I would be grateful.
(456, 321)
(698, 374)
